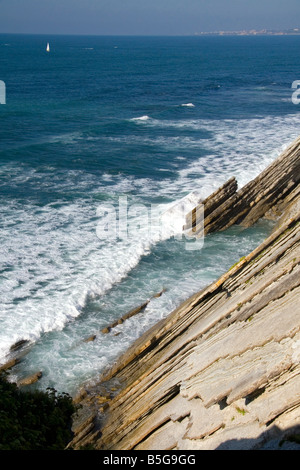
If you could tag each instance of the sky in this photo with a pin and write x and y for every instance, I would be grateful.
(145, 17)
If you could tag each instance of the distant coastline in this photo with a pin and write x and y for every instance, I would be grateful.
(252, 32)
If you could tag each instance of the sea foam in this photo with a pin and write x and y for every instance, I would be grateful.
(141, 118)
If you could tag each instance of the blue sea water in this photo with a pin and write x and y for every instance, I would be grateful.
(153, 121)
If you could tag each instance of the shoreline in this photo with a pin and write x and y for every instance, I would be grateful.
(163, 392)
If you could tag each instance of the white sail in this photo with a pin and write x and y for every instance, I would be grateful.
(48, 47)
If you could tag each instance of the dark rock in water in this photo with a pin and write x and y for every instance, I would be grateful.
(90, 338)
(106, 330)
(130, 314)
(19, 345)
(16, 352)
(31, 379)
(9, 364)
(159, 294)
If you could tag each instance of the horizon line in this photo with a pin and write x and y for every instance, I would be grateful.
(190, 35)
(221, 33)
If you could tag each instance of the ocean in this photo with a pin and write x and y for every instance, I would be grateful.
(139, 125)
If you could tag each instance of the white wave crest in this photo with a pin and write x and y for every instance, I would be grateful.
(141, 118)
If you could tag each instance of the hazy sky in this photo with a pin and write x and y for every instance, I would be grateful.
(151, 17)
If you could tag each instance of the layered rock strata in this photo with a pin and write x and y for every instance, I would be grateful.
(266, 193)
(223, 370)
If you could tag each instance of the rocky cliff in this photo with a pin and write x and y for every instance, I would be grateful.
(222, 371)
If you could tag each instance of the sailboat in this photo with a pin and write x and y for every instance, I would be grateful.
(48, 47)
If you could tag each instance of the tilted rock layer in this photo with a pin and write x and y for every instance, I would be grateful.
(223, 370)
(276, 185)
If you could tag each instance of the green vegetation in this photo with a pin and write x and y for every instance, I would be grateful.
(235, 264)
(240, 410)
(34, 420)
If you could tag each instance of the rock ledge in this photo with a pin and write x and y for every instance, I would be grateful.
(223, 370)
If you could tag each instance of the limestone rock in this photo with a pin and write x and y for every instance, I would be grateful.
(223, 370)
(31, 379)
(9, 364)
(269, 190)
